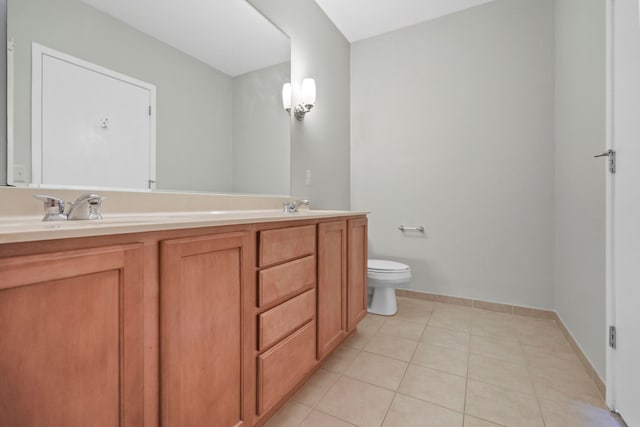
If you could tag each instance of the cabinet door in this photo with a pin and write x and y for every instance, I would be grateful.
(71, 348)
(357, 269)
(203, 340)
(332, 280)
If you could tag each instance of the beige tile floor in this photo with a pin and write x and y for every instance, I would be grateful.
(436, 364)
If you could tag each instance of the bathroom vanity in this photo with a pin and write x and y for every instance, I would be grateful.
(184, 320)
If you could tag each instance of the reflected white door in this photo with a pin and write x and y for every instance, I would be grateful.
(95, 126)
(623, 363)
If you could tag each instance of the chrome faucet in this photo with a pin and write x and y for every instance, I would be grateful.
(53, 208)
(292, 207)
(86, 206)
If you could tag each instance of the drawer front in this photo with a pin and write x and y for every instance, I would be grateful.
(285, 318)
(286, 243)
(282, 367)
(278, 282)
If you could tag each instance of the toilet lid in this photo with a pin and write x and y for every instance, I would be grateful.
(384, 265)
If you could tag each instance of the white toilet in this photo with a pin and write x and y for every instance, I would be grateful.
(383, 279)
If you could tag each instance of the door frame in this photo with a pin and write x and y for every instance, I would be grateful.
(609, 223)
(38, 52)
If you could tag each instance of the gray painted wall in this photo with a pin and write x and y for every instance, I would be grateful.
(321, 142)
(580, 179)
(193, 99)
(490, 195)
(261, 128)
(452, 129)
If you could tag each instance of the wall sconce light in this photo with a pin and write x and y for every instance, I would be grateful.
(308, 98)
(286, 97)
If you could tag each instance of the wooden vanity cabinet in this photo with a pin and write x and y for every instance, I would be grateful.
(205, 339)
(175, 328)
(332, 285)
(357, 298)
(71, 338)
(285, 312)
(342, 280)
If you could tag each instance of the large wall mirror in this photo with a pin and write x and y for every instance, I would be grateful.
(214, 69)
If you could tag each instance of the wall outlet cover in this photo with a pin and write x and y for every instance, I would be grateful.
(19, 173)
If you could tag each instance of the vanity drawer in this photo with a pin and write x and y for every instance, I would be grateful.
(279, 281)
(285, 318)
(282, 367)
(286, 243)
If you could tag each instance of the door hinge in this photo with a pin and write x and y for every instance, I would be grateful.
(612, 336)
(149, 109)
(611, 155)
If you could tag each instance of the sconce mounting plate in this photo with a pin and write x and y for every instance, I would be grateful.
(302, 110)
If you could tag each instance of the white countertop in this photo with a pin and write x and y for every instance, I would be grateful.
(15, 229)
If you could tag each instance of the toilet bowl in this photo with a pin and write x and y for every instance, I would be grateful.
(383, 279)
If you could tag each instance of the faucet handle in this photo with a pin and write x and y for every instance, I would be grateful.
(89, 197)
(292, 207)
(86, 206)
(53, 208)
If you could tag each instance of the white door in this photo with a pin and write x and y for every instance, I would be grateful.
(95, 125)
(623, 363)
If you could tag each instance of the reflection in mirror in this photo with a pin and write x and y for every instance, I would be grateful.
(217, 68)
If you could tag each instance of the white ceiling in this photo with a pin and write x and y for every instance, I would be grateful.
(229, 35)
(361, 19)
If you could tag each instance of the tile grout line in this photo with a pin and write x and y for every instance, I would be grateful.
(330, 415)
(439, 405)
(420, 340)
(360, 351)
(516, 310)
(393, 399)
(340, 375)
(395, 394)
(313, 407)
(466, 380)
(530, 376)
(408, 362)
(439, 370)
(520, 337)
(517, 340)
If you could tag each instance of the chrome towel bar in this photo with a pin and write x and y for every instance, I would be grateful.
(405, 228)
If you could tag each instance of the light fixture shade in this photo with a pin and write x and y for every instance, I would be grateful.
(308, 91)
(286, 96)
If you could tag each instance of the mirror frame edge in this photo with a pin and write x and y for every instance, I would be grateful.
(5, 166)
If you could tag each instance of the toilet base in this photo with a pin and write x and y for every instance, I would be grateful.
(383, 301)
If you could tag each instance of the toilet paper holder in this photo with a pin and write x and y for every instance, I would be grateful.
(405, 228)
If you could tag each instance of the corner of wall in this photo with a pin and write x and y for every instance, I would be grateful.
(320, 144)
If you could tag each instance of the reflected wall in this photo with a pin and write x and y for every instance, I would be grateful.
(196, 129)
